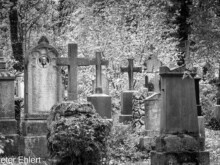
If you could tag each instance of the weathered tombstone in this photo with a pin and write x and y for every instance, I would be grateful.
(105, 85)
(153, 64)
(42, 91)
(127, 96)
(179, 141)
(152, 120)
(201, 119)
(8, 124)
(101, 101)
(152, 113)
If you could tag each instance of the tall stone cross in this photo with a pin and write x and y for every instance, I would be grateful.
(99, 63)
(73, 62)
(131, 69)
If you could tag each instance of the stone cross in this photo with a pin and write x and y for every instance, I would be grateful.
(99, 64)
(73, 62)
(131, 69)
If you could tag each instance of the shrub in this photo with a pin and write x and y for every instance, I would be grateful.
(124, 145)
(77, 134)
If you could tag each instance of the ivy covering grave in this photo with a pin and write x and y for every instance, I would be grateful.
(77, 134)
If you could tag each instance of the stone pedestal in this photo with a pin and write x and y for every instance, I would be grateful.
(179, 142)
(126, 106)
(179, 158)
(217, 112)
(102, 103)
(33, 142)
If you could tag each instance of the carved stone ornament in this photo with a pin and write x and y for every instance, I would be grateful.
(44, 61)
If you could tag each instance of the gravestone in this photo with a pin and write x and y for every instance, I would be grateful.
(152, 66)
(201, 119)
(102, 102)
(8, 124)
(42, 90)
(151, 120)
(179, 141)
(127, 96)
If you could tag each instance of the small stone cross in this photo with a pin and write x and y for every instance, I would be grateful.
(131, 69)
(73, 62)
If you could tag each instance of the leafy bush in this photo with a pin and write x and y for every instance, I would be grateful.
(3, 141)
(208, 100)
(77, 134)
(124, 145)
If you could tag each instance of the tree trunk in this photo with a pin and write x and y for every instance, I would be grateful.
(16, 42)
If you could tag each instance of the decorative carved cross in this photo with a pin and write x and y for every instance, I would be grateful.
(73, 62)
(99, 63)
(131, 69)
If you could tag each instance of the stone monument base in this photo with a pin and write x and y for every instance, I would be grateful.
(126, 106)
(8, 128)
(125, 118)
(34, 146)
(179, 149)
(33, 142)
(180, 158)
(102, 104)
(148, 141)
(12, 148)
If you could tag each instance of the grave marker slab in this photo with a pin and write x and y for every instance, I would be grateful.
(151, 120)
(8, 124)
(201, 119)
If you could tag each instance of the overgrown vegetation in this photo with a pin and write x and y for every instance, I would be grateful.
(77, 134)
(124, 145)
